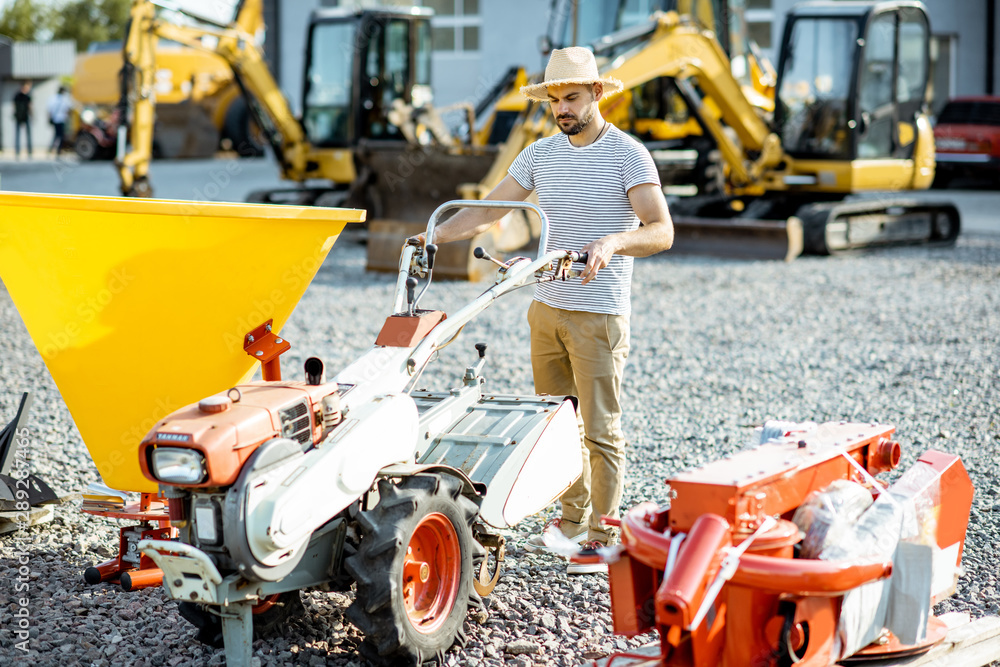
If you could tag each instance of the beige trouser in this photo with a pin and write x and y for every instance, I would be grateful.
(583, 354)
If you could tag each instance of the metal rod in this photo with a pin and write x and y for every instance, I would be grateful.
(487, 203)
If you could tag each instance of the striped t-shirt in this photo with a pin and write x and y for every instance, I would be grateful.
(583, 191)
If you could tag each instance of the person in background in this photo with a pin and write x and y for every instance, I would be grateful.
(22, 118)
(59, 108)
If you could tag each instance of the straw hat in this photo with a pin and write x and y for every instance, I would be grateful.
(571, 65)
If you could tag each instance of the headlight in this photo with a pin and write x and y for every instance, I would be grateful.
(178, 466)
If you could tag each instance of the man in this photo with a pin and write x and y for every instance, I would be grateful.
(22, 118)
(595, 184)
(59, 108)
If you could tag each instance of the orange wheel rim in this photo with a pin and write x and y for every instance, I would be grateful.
(431, 571)
(265, 604)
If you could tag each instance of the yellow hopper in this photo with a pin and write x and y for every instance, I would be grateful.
(140, 307)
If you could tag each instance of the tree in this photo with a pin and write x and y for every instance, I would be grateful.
(86, 21)
(24, 20)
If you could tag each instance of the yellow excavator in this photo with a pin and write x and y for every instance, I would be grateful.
(849, 118)
(359, 65)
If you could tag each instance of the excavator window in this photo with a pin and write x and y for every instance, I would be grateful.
(328, 115)
(875, 88)
(386, 77)
(582, 22)
(892, 83)
(815, 87)
(356, 68)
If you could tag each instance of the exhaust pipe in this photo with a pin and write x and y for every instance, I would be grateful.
(314, 371)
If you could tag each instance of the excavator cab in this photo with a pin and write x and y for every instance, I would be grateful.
(358, 62)
(852, 85)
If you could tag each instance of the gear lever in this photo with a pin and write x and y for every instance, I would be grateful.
(480, 253)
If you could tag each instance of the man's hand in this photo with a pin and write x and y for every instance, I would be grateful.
(599, 253)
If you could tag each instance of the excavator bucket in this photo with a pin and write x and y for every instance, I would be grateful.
(407, 184)
(738, 238)
(185, 130)
(139, 307)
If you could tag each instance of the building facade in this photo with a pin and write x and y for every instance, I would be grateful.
(476, 41)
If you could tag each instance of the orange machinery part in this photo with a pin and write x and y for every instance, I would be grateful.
(266, 347)
(775, 478)
(771, 595)
(136, 580)
(408, 330)
(123, 569)
(682, 593)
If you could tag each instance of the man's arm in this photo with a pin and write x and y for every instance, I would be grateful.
(654, 235)
(471, 221)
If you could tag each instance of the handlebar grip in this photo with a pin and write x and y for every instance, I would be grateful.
(577, 256)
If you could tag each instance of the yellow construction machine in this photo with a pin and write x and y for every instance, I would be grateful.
(199, 108)
(849, 118)
(359, 65)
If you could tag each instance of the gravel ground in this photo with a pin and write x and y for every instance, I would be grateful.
(904, 336)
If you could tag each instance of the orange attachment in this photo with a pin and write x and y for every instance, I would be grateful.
(808, 577)
(632, 607)
(408, 330)
(431, 571)
(698, 562)
(136, 580)
(102, 572)
(266, 347)
(886, 456)
(751, 485)
(683, 592)
(131, 568)
(771, 608)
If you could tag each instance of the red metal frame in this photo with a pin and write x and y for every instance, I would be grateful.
(130, 568)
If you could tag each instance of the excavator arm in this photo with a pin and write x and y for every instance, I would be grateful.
(136, 105)
(235, 44)
(687, 52)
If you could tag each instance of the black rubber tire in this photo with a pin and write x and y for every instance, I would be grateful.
(86, 146)
(237, 128)
(269, 623)
(377, 569)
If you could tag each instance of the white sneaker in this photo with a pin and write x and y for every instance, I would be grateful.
(593, 548)
(537, 543)
(587, 568)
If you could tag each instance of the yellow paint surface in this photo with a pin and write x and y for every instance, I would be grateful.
(139, 307)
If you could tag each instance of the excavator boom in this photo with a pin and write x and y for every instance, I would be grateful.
(235, 43)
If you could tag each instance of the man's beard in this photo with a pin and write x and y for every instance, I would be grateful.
(580, 125)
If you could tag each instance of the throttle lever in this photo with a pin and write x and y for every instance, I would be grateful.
(480, 253)
(431, 251)
(563, 271)
(411, 288)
